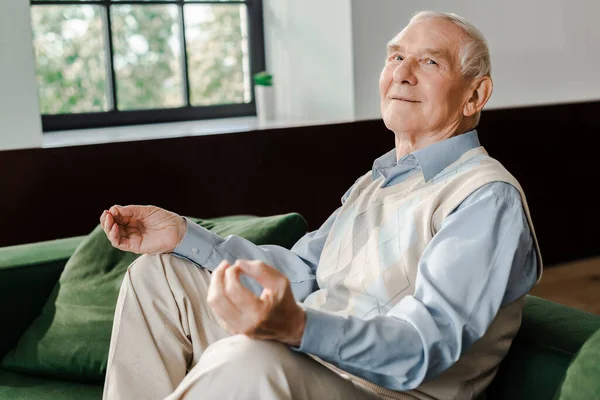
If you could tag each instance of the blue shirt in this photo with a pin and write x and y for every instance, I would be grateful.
(494, 265)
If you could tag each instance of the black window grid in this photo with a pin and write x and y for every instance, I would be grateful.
(116, 117)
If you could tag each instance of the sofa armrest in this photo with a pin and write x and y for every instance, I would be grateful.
(550, 336)
(27, 275)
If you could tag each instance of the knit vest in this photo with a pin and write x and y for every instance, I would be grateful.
(377, 241)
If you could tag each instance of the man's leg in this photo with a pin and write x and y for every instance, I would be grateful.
(242, 368)
(161, 328)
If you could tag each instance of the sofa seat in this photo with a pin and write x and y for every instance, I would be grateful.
(16, 386)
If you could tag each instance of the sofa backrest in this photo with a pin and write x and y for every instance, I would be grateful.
(27, 275)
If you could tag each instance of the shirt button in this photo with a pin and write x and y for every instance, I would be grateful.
(195, 250)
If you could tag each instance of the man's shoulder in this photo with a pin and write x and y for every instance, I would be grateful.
(479, 179)
(477, 160)
(476, 170)
(499, 191)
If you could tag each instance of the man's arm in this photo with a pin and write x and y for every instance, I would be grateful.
(299, 264)
(481, 259)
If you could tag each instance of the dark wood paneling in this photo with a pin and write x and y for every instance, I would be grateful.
(553, 152)
(61, 192)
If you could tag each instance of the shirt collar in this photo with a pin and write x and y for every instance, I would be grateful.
(432, 159)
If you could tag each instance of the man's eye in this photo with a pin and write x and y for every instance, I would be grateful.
(431, 62)
(397, 58)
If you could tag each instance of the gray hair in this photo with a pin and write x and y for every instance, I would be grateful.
(474, 54)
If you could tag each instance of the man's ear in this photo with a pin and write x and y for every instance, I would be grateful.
(479, 94)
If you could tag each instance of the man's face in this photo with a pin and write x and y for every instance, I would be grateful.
(421, 85)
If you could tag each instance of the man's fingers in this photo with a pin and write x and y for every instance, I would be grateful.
(122, 214)
(117, 213)
(229, 315)
(125, 212)
(215, 289)
(110, 236)
(111, 223)
(114, 231)
(108, 222)
(266, 275)
(114, 236)
(240, 296)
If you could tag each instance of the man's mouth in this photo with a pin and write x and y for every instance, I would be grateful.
(400, 98)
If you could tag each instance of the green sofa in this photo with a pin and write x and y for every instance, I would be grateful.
(550, 336)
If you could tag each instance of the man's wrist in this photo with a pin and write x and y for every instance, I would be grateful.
(295, 339)
(182, 228)
(181, 231)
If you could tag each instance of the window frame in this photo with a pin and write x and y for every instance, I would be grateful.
(115, 117)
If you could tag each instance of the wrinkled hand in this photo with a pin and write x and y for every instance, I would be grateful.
(273, 316)
(143, 229)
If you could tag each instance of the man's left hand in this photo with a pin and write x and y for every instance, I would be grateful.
(273, 316)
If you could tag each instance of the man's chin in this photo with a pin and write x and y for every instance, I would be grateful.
(398, 123)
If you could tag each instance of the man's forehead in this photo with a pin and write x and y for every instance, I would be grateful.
(436, 51)
(431, 36)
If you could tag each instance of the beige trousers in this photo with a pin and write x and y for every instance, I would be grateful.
(167, 344)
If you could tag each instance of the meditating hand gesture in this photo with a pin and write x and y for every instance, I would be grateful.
(274, 315)
(143, 229)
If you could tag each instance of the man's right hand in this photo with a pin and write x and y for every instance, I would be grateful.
(143, 229)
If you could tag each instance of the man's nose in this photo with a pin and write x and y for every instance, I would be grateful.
(405, 71)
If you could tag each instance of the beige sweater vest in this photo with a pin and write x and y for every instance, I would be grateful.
(430, 203)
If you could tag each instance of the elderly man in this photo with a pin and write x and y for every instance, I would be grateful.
(413, 288)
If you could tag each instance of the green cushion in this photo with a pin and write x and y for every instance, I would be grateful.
(16, 386)
(70, 338)
(550, 336)
(582, 380)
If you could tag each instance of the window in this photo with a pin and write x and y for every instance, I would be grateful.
(119, 62)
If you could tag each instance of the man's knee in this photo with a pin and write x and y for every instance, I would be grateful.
(144, 261)
(238, 367)
(145, 269)
(148, 269)
(250, 355)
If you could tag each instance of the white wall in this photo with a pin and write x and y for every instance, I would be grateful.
(542, 51)
(20, 122)
(309, 51)
(326, 56)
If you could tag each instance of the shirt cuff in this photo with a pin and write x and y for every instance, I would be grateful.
(197, 244)
(322, 333)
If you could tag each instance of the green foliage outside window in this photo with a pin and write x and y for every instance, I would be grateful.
(70, 44)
